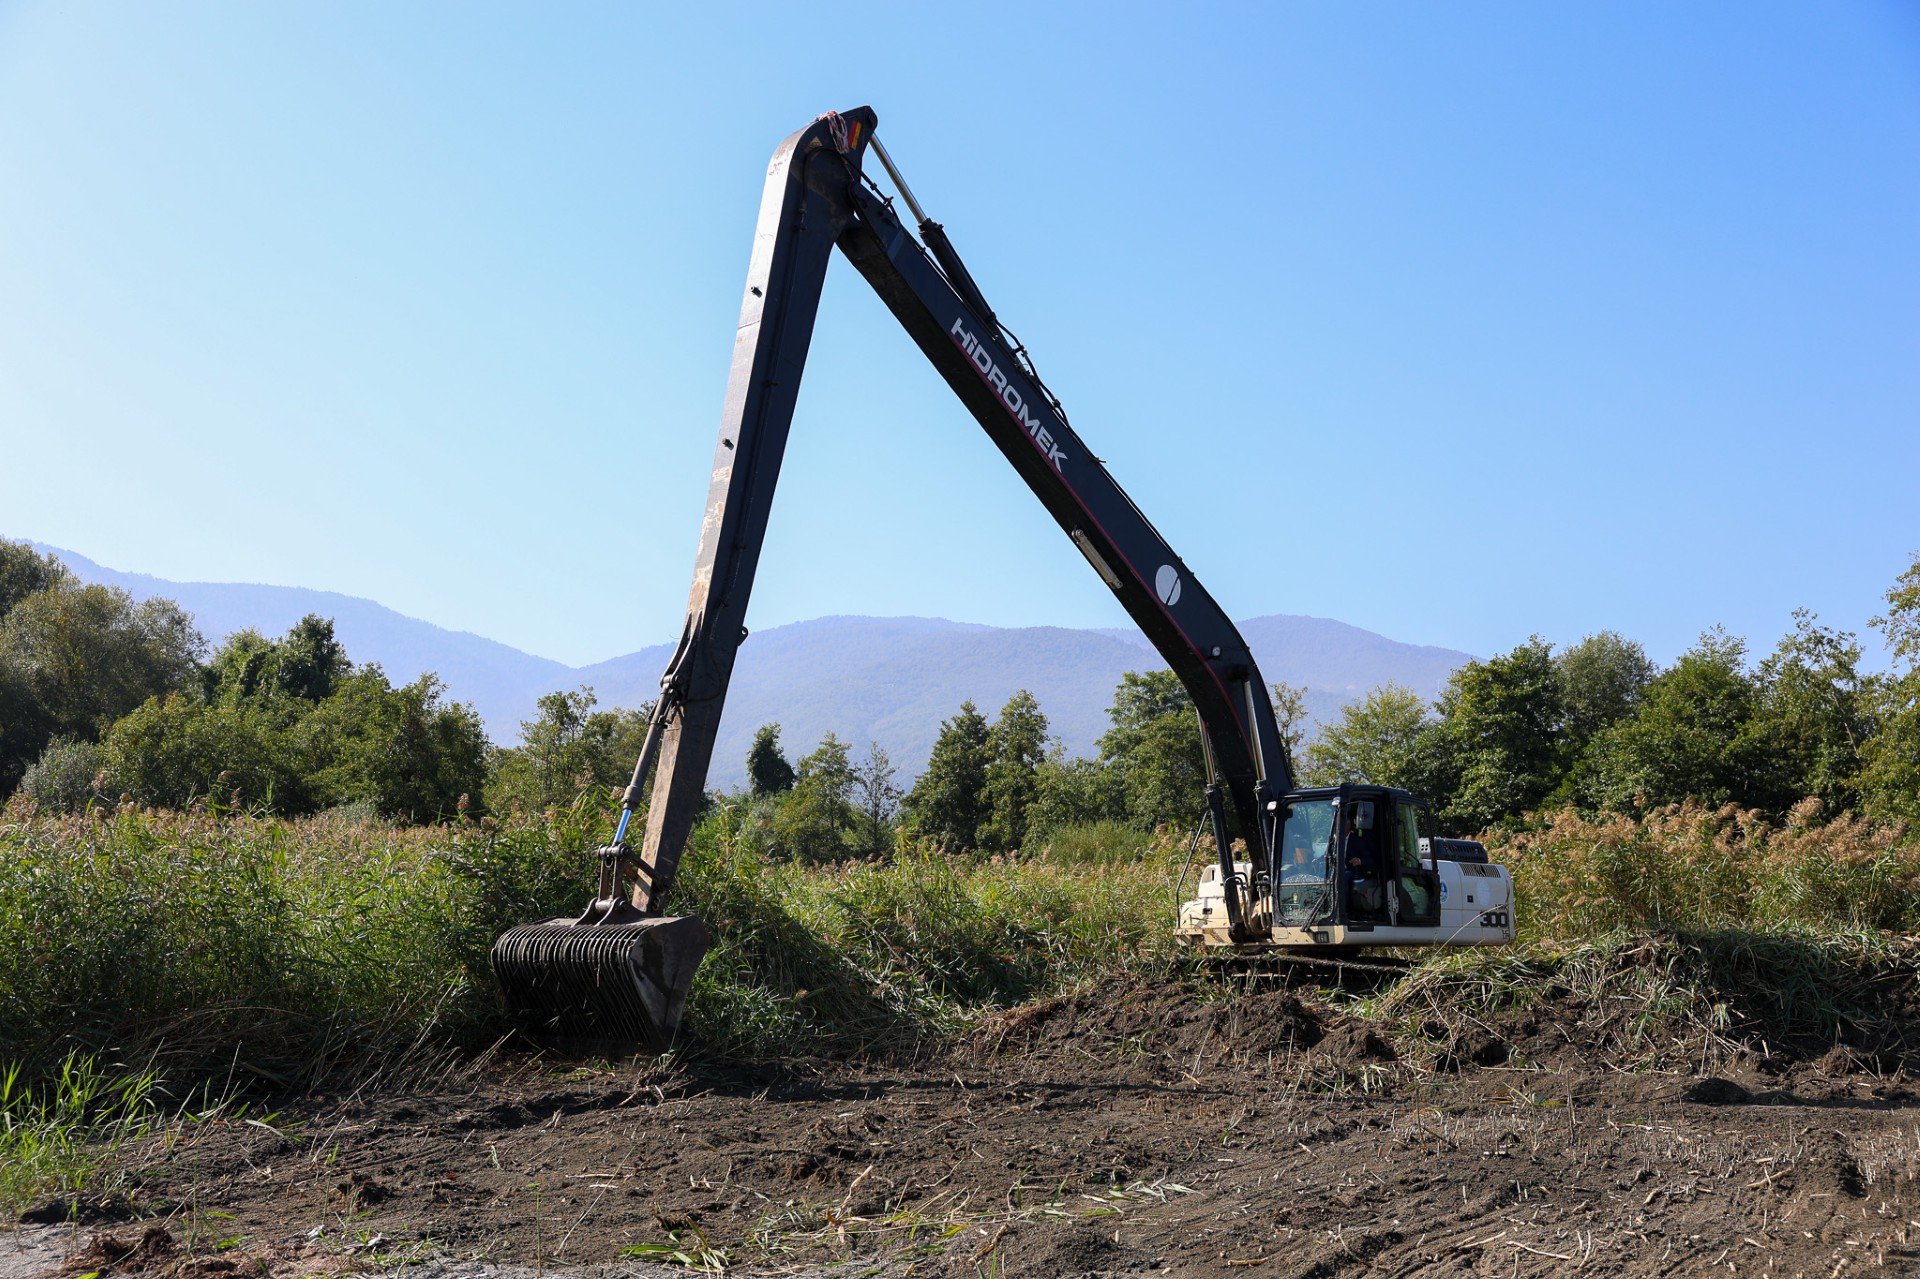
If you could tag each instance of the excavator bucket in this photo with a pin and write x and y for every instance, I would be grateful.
(591, 986)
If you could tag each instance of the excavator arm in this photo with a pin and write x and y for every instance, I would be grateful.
(817, 198)
(620, 974)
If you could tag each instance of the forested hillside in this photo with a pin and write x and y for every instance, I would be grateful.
(889, 680)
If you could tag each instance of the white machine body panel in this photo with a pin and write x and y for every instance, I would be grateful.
(1476, 909)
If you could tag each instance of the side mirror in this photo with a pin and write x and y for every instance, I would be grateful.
(1363, 814)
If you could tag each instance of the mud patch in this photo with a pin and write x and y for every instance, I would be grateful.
(1181, 1128)
(123, 1253)
(1164, 1026)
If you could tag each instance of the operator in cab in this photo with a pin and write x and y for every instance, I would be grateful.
(1361, 855)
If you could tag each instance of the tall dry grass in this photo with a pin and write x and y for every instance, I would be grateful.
(210, 939)
(213, 941)
(1690, 866)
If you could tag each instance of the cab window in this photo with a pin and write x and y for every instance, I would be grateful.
(1301, 889)
(1407, 839)
(1309, 827)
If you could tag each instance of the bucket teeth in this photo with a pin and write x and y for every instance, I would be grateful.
(618, 987)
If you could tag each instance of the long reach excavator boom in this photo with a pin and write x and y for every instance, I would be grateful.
(628, 982)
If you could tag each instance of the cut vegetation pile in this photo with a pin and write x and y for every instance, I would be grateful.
(1763, 1004)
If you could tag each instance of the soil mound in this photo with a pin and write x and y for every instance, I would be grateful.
(1162, 1024)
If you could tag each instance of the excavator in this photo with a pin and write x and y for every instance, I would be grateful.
(1326, 869)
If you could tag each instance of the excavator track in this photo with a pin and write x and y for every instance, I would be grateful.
(1287, 967)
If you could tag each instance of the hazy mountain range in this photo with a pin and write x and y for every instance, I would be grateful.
(889, 680)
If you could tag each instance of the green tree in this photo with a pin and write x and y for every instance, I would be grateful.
(1141, 700)
(1379, 739)
(170, 751)
(239, 672)
(311, 662)
(569, 748)
(1691, 737)
(1900, 624)
(878, 799)
(815, 819)
(1073, 792)
(554, 758)
(948, 801)
(74, 658)
(1498, 751)
(768, 772)
(1289, 703)
(69, 775)
(1890, 765)
(1016, 744)
(24, 732)
(24, 571)
(1601, 681)
(90, 654)
(413, 755)
(292, 726)
(1154, 749)
(1816, 714)
(305, 665)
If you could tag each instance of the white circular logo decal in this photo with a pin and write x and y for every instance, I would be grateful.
(1167, 582)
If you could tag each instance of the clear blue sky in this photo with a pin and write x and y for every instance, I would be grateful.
(1457, 322)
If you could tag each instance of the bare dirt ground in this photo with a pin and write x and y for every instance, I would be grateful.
(1173, 1130)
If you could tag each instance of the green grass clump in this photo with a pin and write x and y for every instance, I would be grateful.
(58, 1138)
(890, 956)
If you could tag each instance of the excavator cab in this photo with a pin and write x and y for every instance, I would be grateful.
(1352, 866)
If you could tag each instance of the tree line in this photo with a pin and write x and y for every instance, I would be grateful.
(990, 786)
(1594, 727)
(103, 698)
(1597, 727)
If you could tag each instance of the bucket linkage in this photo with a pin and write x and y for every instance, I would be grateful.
(616, 978)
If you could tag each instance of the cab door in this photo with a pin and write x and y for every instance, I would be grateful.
(1416, 889)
